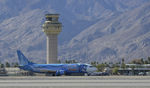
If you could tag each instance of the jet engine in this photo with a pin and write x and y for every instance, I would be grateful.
(60, 72)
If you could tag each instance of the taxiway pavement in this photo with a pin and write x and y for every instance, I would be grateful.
(75, 82)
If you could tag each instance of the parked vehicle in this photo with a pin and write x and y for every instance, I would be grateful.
(141, 73)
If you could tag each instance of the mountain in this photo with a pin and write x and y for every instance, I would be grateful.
(111, 39)
(88, 27)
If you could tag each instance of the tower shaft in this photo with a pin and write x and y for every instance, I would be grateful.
(52, 48)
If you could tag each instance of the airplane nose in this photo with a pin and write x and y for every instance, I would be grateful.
(91, 69)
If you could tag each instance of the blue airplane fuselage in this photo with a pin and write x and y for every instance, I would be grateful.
(53, 68)
(57, 69)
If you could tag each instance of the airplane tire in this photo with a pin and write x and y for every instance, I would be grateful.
(53, 74)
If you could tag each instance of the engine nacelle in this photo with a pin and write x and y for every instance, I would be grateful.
(60, 72)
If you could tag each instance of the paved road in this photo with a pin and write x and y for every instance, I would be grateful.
(76, 82)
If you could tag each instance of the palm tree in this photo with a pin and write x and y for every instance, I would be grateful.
(2, 66)
(7, 64)
(148, 60)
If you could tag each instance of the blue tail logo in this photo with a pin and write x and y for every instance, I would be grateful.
(22, 59)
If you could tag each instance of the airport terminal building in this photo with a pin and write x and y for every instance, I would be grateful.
(135, 69)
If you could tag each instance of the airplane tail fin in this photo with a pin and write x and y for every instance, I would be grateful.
(22, 59)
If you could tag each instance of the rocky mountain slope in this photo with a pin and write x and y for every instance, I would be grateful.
(92, 29)
(111, 39)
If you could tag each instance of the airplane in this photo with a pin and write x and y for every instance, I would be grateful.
(54, 69)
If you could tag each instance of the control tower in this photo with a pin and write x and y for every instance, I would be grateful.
(52, 27)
